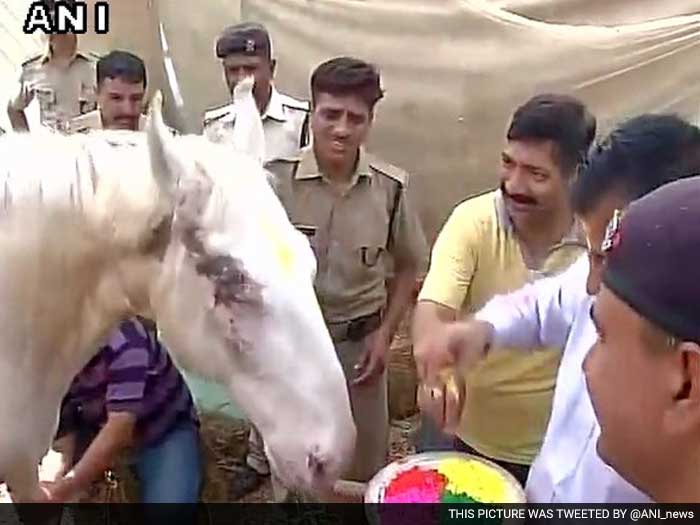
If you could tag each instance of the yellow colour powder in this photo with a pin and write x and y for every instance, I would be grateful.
(283, 251)
(474, 479)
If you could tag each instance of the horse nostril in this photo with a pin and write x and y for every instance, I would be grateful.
(315, 464)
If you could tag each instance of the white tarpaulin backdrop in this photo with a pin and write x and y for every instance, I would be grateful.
(453, 70)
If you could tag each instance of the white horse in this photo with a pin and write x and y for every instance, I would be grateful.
(96, 228)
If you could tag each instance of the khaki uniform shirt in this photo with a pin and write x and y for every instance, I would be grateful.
(285, 124)
(356, 237)
(62, 93)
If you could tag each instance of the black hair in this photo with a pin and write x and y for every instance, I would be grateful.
(639, 156)
(123, 65)
(347, 76)
(561, 119)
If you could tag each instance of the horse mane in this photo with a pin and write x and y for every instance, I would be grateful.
(87, 191)
(44, 160)
(105, 178)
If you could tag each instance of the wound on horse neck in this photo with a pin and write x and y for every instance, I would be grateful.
(232, 284)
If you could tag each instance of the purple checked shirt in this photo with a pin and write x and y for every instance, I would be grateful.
(131, 373)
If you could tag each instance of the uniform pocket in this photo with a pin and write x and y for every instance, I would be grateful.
(309, 231)
(46, 97)
(371, 255)
(86, 106)
(310, 234)
(88, 99)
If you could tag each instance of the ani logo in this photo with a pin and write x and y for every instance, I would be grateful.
(612, 233)
(62, 16)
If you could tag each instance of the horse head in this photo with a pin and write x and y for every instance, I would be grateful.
(235, 302)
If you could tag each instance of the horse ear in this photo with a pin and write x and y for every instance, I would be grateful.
(248, 133)
(167, 167)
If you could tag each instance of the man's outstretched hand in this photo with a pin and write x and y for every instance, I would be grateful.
(442, 357)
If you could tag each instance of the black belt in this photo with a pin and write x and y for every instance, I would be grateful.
(355, 329)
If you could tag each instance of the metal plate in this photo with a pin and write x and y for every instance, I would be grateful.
(431, 460)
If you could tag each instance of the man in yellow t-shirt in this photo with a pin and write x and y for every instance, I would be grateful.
(495, 243)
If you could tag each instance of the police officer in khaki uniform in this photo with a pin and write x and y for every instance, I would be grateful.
(121, 93)
(355, 211)
(62, 79)
(245, 50)
(122, 81)
(121, 96)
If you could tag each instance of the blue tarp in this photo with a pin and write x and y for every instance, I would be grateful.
(211, 397)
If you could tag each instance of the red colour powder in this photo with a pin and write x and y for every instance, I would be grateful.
(417, 485)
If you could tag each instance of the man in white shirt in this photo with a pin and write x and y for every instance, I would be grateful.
(638, 157)
(643, 373)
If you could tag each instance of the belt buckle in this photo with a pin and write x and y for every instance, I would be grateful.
(355, 328)
(360, 328)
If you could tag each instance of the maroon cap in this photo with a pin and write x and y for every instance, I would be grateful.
(653, 257)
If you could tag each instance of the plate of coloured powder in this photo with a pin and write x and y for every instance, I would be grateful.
(444, 477)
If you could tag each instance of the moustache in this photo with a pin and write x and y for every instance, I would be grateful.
(517, 197)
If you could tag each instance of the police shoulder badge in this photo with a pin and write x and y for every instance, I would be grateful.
(612, 232)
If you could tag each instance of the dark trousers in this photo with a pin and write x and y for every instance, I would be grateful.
(430, 438)
(518, 471)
